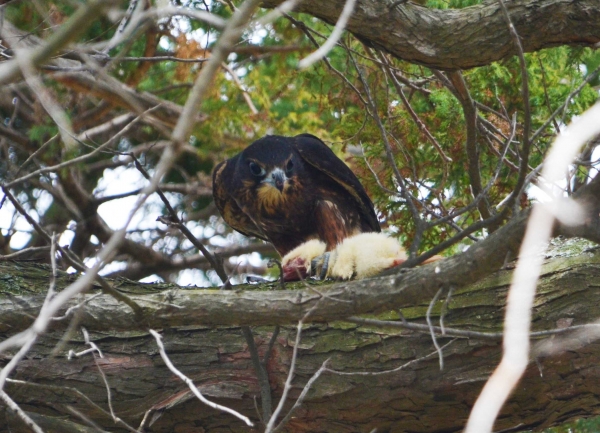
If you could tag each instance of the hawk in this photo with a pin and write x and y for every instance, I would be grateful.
(295, 193)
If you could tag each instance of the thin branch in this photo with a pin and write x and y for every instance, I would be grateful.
(308, 32)
(115, 418)
(75, 25)
(445, 309)
(431, 331)
(23, 252)
(335, 36)
(422, 127)
(470, 113)
(261, 373)
(492, 180)
(154, 14)
(591, 76)
(274, 262)
(463, 333)
(85, 419)
(522, 291)
(302, 396)
(546, 97)
(288, 382)
(114, 139)
(36, 153)
(270, 346)
(372, 108)
(54, 110)
(76, 393)
(175, 220)
(232, 32)
(376, 176)
(19, 412)
(394, 370)
(190, 383)
(283, 9)
(12, 364)
(245, 93)
(71, 258)
(526, 146)
(131, 10)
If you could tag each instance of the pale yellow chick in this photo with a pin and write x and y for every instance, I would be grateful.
(365, 255)
(359, 256)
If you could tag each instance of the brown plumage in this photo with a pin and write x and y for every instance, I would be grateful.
(288, 190)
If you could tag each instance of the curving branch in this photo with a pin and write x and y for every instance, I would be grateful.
(244, 306)
(462, 38)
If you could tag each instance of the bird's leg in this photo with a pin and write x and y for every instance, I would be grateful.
(320, 265)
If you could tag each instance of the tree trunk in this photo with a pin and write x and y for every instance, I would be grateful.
(416, 398)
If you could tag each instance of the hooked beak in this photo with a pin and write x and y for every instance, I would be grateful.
(276, 178)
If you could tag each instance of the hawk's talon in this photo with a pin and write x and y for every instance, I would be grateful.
(319, 266)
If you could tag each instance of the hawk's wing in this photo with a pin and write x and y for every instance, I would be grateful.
(316, 153)
(228, 208)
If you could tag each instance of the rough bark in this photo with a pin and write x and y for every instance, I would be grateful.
(462, 38)
(418, 398)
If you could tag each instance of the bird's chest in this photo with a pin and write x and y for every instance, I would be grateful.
(274, 213)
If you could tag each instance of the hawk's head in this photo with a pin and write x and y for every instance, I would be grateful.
(269, 169)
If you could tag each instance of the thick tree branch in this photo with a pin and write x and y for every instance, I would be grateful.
(462, 38)
(250, 307)
(374, 383)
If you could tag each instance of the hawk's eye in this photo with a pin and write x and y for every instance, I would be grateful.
(256, 169)
(289, 167)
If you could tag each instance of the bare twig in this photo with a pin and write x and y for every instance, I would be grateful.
(372, 108)
(302, 396)
(591, 76)
(470, 112)
(283, 9)
(261, 373)
(93, 347)
(422, 127)
(134, 7)
(394, 370)
(229, 37)
(526, 146)
(245, 93)
(115, 418)
(463, 333)
(12, 364)
(272, 341)
(71, 258)
(75, 25)
(175, 220)
(19, 412)
(114, 139)
(156, 13)
(275, 262)
(54, 110)
(288, 382)
(190, 383)
(23, 252)
(445, 309)
(521, 294)
(85, 419)
(76, 393)
(333, 38)
(35, 154)
(431, 331)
